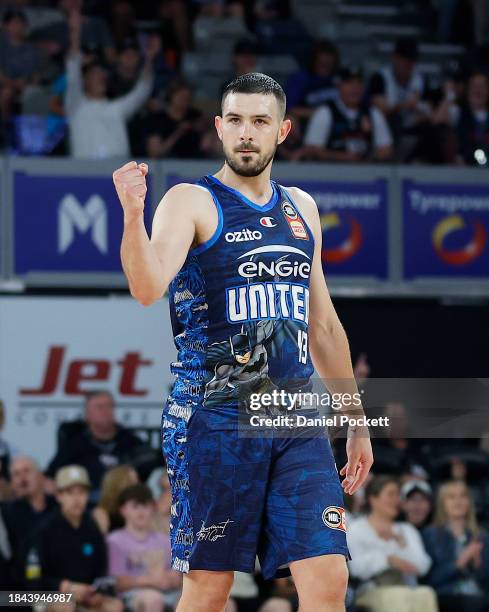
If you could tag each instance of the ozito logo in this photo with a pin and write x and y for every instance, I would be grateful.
(243, 235)
(350, 233)
(334, 517)
(457, 242)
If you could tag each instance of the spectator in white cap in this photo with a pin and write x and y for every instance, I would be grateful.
(72, 552)
(417, 503)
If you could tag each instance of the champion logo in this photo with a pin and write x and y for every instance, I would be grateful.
(268, 222)
(334, 517)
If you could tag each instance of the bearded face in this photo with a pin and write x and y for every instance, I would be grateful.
(247, 159)
(249, 130)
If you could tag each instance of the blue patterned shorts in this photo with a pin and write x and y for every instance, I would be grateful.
(234, 497)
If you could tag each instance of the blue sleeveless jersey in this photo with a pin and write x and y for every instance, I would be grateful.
(240, 304)
(239, 310)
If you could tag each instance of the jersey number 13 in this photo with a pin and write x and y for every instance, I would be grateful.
(302, 345)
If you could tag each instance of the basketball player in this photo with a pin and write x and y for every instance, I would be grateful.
(240, 256)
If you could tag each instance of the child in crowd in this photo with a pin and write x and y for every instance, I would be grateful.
(139, 557)
(72, 551)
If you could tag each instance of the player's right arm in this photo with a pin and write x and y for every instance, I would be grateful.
(151, 264)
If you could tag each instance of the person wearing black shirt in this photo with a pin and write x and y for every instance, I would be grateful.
(315, 85)
(347, 129)
(24, 514)
(72, 551)
(125, 71)
(99, 444)
(5, 454)
(5, 555)
(176, 131)
(472, 122)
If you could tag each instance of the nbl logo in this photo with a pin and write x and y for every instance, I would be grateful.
(289, 210)
(295, 223)
(334, 518)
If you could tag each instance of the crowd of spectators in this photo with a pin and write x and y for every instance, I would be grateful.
(117, 86)
(96, 523)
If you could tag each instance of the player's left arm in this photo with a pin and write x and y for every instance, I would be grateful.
(329, 348)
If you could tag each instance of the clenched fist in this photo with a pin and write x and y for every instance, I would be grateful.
(130, 184)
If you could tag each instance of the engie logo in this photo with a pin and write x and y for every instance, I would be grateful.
(448, 230)
(71, 214)
(350, 244)
(334, 517)
(268, 222)
(243, 235)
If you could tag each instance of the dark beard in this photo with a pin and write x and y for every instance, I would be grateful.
(249, 170)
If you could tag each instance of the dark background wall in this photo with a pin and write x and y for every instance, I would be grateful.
(417, 338)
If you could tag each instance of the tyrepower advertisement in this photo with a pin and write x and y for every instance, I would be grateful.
(53, 350)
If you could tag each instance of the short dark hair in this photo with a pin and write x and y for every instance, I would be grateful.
(407, 48)
(138, 493)
(175, 85)
(96, 392)
(256, 82)
(97, 63)
(246, 46)
(324, 45)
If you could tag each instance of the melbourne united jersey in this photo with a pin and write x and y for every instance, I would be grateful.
(240, 304)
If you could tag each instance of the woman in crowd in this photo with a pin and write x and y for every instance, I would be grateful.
(388, 556)
(106, 514)
(460, 552)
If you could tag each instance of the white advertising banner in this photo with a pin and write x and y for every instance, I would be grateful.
(53, 350)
